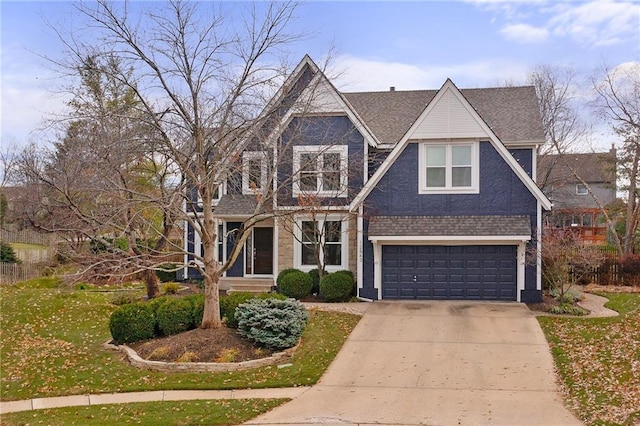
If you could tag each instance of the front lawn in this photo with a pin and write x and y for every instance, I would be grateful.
(218, 412)
(51, 344)
(599, 362)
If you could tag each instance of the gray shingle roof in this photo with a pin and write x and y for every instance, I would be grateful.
(511, 112)
(236, 205)
(447, 226)
(592, 167)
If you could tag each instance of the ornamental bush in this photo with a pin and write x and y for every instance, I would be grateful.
(272, 323)
(295, 284)
(230, 302)
(132, 322)
(336, 287)
(175, 316)
(283, 273)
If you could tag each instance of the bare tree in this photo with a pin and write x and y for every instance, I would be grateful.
(617, 101)
(202, 79)
(564, 130)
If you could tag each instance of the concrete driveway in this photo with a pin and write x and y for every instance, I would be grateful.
(435, 363)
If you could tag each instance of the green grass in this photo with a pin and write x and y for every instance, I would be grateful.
(218, 412)
(52, 336)
(599, 362)
(25, 246)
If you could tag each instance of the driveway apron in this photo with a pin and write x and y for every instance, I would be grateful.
(436, 363)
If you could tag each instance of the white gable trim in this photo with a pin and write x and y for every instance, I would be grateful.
(450, 88)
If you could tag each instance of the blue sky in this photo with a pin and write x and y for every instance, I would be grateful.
(409, 45)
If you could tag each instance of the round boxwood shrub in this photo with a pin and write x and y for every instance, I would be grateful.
(336, 287)
(295, 284)
(272, 323)
(283, 273)
(175, 316)
(132, 322)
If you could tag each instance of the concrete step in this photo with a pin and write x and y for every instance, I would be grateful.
(251, 285)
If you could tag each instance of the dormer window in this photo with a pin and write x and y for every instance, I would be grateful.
(582, 189)
(254, 172)
(320, 170)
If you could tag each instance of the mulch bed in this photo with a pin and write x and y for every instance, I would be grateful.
(200, 345)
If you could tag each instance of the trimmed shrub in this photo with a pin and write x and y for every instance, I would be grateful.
(133, 322)
(125, 298)
(272, 323)
(197, 304)
(175, 316)
(295, 284)
(230, 302)
(315, 280)
(336, 287)
(283, 273)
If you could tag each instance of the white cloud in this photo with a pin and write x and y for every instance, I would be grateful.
(598, 23)
(525, 33)
(360, 74)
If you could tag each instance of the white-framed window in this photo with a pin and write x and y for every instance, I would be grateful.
(216, 195)
(321, 170)
(582, 189)
(254, 172)
(450, 167)
(326, 237)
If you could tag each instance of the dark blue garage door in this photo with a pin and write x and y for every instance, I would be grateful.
(449, 272)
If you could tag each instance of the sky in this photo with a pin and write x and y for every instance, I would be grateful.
(376, 45)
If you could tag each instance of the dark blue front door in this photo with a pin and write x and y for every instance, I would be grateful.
(449, 272)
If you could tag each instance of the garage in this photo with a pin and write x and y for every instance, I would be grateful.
(465, 272)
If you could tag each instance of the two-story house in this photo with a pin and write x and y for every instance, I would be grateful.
(579, 186)
(424, 194)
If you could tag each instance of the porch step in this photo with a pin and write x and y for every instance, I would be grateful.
(251, 285)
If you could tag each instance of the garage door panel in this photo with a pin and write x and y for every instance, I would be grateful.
(449, 272)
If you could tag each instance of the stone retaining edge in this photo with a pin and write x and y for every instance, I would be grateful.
(199, 367)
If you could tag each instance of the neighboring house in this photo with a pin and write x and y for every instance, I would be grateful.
(426, 194)
(577, 200)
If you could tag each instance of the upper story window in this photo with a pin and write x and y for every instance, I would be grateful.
(582, 189)
(254, 172)
(320, 170)
(448, 168)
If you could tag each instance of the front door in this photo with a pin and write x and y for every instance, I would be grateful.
(259, 260)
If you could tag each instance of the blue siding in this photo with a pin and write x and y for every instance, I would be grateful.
(330, 131)
(501, 192)
(524, 157)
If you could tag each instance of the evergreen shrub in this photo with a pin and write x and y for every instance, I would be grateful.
(272, 323)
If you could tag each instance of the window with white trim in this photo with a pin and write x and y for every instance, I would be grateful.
(320, 170)
(254, 172)
(582, 189)
(448, 168)
(326, 238)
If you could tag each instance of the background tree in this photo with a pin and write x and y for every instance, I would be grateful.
(617, 101)
(102, 182)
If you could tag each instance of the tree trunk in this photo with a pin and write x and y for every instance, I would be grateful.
(211, 316)
(151, 282)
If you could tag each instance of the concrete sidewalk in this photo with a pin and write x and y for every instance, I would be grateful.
(128, 397)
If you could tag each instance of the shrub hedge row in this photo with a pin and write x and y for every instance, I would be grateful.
(334, 287)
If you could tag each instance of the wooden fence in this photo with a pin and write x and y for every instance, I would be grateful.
(11, 273)
(27, 237)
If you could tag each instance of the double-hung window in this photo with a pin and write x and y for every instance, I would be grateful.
(448, 167)
(324, 239)
(254, 172)
(320, 170)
